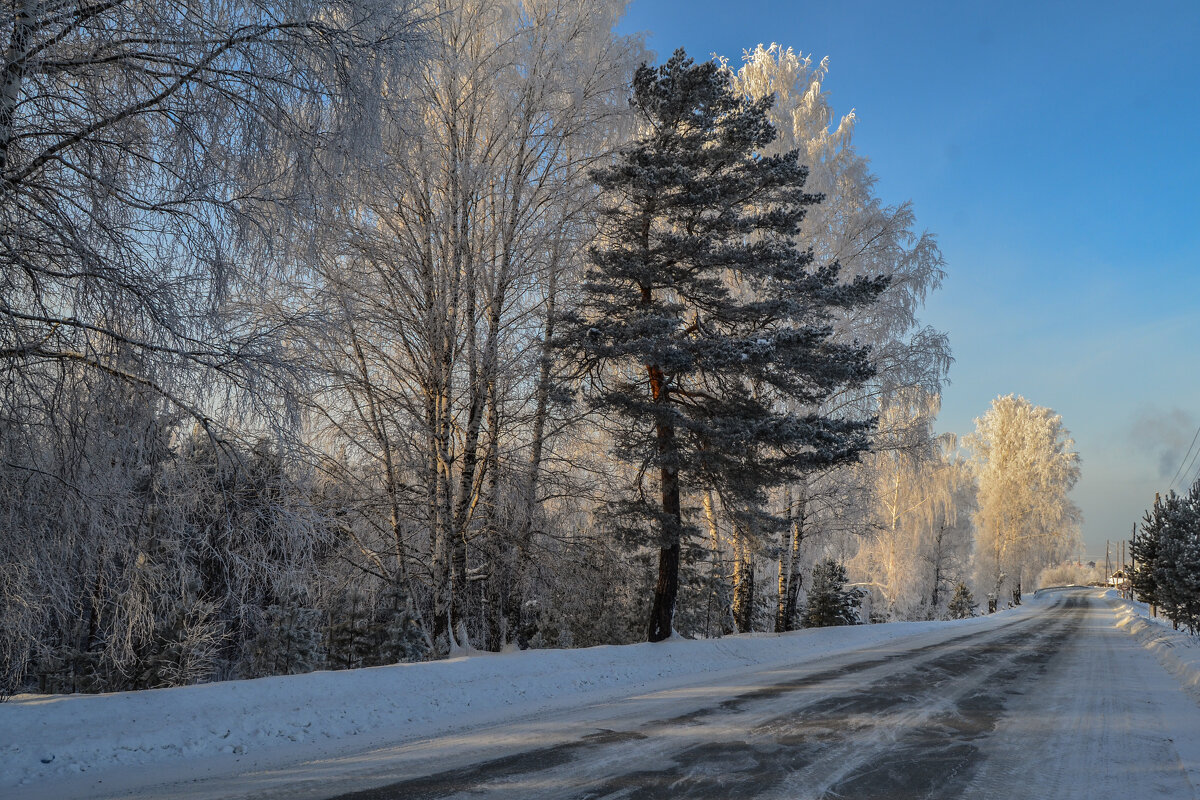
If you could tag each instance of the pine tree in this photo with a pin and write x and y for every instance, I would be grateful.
(1167, 566)
(349, 638)
(396, 629)
(1189, 571)
(962, 605)
(289, 642)
(700, 311)
(1144, 548)
(829, 601)
(1176, 572)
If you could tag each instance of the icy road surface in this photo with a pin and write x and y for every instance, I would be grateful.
(1058, 705)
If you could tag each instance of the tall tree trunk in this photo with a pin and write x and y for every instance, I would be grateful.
(798, 529)
(13, 75)
(785, 562)
(500, 562)
(666, 587)
(440, 561)
(743, 580)
(936, 596)
(499, 565)
(716, 572)
(467, 491)
(523, 539)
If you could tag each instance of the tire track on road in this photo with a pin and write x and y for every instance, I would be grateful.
(899, 735)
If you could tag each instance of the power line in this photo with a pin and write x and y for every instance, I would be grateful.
(1195, 474)
(1185, 458)
(1188, 471)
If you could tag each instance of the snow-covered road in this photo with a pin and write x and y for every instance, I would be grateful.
(1059, 705)
(1051, 701)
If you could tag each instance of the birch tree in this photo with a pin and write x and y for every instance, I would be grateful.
(1026, 465)
(866, 237)
(136, 140)
(920, 538)
(148, 154)
(447, 285)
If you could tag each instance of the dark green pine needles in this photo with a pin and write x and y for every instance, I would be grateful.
(704, 324)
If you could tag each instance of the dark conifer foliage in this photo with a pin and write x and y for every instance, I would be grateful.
(1167, 557)
(1143, 548)
(962, 605)
(829, 601)
(703, 319)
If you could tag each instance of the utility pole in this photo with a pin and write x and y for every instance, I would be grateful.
(1107, 562)
(1121, 569)
(1132, 561)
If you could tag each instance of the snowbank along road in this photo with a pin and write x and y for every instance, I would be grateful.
(1056, 705)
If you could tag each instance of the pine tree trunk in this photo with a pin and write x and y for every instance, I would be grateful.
(666, 587)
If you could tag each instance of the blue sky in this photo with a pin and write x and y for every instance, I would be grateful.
(1052, 147)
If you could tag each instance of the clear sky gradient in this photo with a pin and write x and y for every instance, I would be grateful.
(1052, 147)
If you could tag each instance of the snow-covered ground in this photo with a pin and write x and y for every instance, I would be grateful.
(149, 744)
(55, 746)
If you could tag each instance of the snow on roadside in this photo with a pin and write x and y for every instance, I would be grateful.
(43, 738)
(1177, 651)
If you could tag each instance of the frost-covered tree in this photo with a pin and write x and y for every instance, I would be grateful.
(289, 641)
(852, 226)
(150, 156)
(1025, 465)
(867, 237)
(143, 149)
(398, 632)
(700, 311)
(450, 265)
(920, 540)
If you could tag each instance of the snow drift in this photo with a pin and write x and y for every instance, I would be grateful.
(1177, 651)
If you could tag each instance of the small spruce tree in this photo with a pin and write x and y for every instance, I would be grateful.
(829, 601)
(289, 642)
(398, 633)
(962, 605)
(349, 637)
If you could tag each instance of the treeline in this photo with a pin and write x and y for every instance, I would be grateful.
(1166, 558)
(326, 341)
